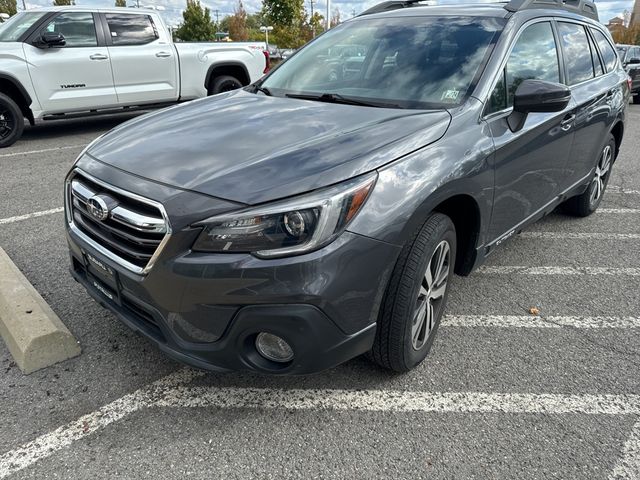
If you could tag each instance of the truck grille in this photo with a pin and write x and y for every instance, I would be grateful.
(129, 229)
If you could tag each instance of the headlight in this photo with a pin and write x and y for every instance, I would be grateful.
(288, 227)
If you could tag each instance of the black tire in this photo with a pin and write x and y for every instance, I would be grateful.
(11, 121)
(585, 204)
(394, 346)
(224, 83)
(636, 99)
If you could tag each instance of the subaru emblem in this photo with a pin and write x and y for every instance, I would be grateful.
(98, 208)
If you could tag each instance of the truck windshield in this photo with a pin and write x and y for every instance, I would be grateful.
(13, 28)
(419, 62)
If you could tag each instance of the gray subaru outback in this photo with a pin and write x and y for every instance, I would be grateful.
(320, 213)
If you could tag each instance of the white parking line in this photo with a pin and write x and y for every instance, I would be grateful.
(628, 468)
(580, 235)
(399, 401)
(530, 321)
(19, 218)
(618, 210)
(44, 150)
(523, 270)
(172, 392)
(45, 445)
(617, 189)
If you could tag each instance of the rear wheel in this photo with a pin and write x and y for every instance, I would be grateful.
(224, 83)
(636, 98)
(416, 296)
(587, 203)
(11, 121)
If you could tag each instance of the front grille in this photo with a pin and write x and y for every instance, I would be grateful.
(132, 229)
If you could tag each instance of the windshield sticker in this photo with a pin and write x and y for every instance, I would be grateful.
(450, 95)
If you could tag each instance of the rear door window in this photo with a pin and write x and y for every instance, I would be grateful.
(534, 56)
(577, 55)
(606, 49)
(597, 64)
(131, 29)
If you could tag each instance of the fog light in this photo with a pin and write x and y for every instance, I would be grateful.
(274, 348)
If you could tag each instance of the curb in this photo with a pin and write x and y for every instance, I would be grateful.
(34, 334)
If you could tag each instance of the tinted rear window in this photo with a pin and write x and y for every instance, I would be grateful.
(131, 29)
(606, 50)
(577, 54)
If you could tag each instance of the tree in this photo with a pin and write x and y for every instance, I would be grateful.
(335, 18)
(197, 25)
(314, 26)
(8, 6)
(628, 36)
(121, 3)
(283, 13)
(238, 30)
(63, 3)
(287, 18)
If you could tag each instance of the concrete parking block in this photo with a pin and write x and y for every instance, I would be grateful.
(34, 334)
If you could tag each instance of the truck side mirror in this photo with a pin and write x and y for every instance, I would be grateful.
(51, 39)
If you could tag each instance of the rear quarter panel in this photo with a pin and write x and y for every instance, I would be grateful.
(197, 58)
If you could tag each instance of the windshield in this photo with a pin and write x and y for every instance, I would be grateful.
(418, 62)
(13, 28)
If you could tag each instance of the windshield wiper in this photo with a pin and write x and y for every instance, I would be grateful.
(337, 98)
(265, 90)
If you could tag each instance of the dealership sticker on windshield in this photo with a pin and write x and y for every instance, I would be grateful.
(450, 95)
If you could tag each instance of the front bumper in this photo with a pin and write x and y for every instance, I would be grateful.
(206, 309)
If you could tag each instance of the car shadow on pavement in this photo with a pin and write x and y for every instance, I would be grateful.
(53, 129)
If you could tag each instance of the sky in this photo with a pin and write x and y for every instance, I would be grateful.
(173, 8)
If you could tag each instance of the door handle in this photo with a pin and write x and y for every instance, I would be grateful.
(163, 54)
(98, 56)
(567, 122)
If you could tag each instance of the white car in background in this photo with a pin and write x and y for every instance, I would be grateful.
(64, 62)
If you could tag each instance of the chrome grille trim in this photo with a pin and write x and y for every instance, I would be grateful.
(119, 214)
(76, 191)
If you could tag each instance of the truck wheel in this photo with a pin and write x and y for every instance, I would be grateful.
(636, 99)
(223, 83)
(587, 203)
(11, 121)
(416, 296)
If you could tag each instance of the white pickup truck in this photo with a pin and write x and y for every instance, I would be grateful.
(75, 61)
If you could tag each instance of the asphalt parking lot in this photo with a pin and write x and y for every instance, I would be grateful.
(502, 395)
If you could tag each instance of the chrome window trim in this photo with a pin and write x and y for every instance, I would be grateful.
(103, 250)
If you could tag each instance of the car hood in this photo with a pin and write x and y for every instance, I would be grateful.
(252, 148)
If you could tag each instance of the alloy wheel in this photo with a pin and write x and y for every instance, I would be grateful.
(600, 177)
(431, 295)
(6, 124)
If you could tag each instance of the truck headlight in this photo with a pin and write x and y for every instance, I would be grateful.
(290, 227)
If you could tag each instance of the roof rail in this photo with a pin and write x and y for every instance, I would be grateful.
(581, 7)
(388, 6)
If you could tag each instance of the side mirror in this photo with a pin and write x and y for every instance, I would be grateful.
(51, 39)
(633, 61)
(537, 96)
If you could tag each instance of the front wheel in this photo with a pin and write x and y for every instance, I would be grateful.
(11, 121)
(224, 83)
(585, 204)
(416, 296)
